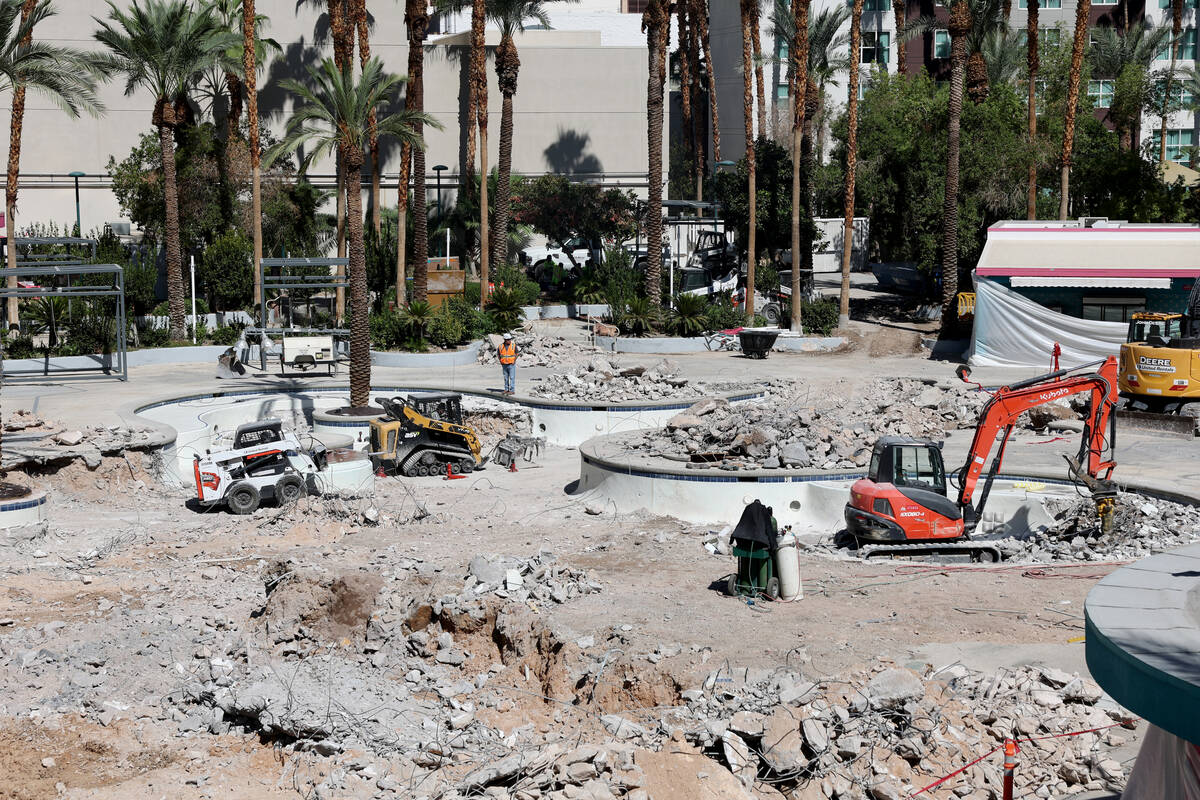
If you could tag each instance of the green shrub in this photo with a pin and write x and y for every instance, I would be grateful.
(514, 280)
(227, 335)
(20, 347)
(690, 317)
(387, 331)
(150, 336)
(722, 314)
(589, 288)
(227, 272)
(471, 293)
(415, 319)
(639, 317)
(505, 310)
(93, 329)
(445, 330)
(820, 316)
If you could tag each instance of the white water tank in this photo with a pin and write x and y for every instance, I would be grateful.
(787, 566)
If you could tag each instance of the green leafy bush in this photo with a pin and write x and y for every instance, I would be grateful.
(151, 336)
(20, 347)
(226, 270)
(445, 329)
(505, 310)
(690, 317)
(163, 309)
(227, 335)
(722, 314)
(821, 316)
(513, 279)
(476, 324)
(639, 317)
(387, 331)
(415, 319)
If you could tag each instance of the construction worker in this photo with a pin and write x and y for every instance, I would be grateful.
(508, 363)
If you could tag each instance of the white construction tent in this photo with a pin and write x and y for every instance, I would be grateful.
(1074, 284)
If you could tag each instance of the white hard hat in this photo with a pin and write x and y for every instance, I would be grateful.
(507, 336)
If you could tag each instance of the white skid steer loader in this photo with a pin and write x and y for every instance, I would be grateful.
(264, 463)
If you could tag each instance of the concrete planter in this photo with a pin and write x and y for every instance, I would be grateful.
(670, 345)
(137, 358)
(567, 311)
(458, 358)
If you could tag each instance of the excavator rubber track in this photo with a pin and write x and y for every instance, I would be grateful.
(978, 551)
(460, 459)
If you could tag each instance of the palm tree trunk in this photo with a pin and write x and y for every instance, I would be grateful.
(685, 79)
(900, 12)
(749, 7)
(1031, 35)
(508, 65)
(960, 26)
(851, 163)
(233, 85)
(478, 80)
(360, 329)
(476, 63)
(799, 55)
(416, 16)
(16, 125)
(1082, 10)
(364, 55)
(702, 20)
(402, 225)
(339, 293)
(343, 50)
(654, 20)
(250, 69)
(758, 72)
(166, 140)
(697, 145)
(812, 101)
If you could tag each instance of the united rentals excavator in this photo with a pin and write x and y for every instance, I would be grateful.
(423, 435)
(901, 507)
(1160, 369)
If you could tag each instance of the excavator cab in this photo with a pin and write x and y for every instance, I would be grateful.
(912, 463)
(903, 496)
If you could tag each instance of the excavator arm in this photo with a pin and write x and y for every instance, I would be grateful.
(1001, 413)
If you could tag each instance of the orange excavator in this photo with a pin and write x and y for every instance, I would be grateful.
(901, 507)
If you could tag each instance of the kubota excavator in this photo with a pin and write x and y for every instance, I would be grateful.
(901, 506)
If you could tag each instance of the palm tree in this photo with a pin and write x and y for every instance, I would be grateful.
(162, 46)
(250, 65)
(900, 12)
(60, 73)
(343, 50)
(749, 10)
(756, 54)
(358, 14)
(989, 30)
(1176, 43)
(799, 54)
(700, 14)
(227, 77)
(335, 116)
(1116, 54)
(851, 164)
(416, 17)
(656, 22)
(1032, 62)
(478, 80)
(1082, 10)
(960, 28)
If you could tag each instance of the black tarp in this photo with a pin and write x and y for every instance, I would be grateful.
(756, 525)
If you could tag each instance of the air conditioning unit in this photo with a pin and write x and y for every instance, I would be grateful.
(118, 228)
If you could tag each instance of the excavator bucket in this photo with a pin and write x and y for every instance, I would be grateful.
(1173, 424)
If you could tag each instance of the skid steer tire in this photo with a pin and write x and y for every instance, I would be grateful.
(243, 498)
(288, 490)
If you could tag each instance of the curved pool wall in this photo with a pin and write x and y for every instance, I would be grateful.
(809, 500)
(204, 421)
(20, 512)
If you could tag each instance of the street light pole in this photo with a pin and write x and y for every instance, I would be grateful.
(439, 169)
(77, 175)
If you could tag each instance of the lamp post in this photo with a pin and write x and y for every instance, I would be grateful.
(439, 169)
(77, 175)
(716, 202)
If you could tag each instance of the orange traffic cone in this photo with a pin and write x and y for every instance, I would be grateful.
(450, 476)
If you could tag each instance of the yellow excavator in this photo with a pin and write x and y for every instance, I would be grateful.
(1160, 369)
(424, 435)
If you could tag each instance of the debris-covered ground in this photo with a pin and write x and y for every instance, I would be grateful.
(488, 637)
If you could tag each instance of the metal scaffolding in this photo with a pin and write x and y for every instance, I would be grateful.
(283, 280)
(56, 272)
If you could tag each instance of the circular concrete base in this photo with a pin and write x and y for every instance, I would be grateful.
(355, 425)
(21, 511)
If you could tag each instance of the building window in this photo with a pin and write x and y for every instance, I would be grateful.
(941, 44)
(1180, 141)
(1046, 37)
(875, 46)
(1101, 93)
(782, 91)
(877, 5)
(1044, 4)
(863, 86)
(1167, 3)
(1105, 2)
(634, 6)
(1187, 46)
(1112, 309)
(783, 50)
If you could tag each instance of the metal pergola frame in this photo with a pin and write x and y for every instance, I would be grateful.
(57, 270)
(284, 281)
(67, 241)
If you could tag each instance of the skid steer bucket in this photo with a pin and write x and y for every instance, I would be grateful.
(1173, 424)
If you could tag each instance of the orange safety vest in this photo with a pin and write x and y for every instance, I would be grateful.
(508, 352)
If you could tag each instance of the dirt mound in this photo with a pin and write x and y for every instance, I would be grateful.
(625, 686)
(333, 609)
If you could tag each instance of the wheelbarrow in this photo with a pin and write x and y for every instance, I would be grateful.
(756, 344)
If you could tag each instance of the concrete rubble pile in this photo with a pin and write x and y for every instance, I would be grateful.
(1142, 526)
(602, 379)
(792, 430)
(884, 734)
(538, 351)
(32, 441)
(537, 578)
